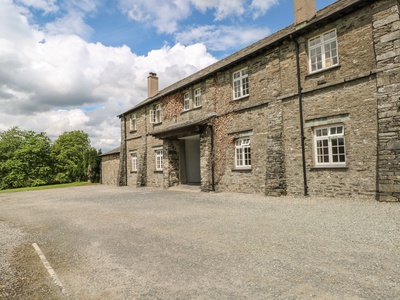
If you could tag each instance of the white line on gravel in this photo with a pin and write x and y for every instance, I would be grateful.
(51, 271)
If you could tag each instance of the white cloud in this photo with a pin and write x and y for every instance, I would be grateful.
(59, 82)
(222, 8)
(71, 23)
(165, 16)
(47, 6)
(260, 7)
(219, 38)
(81, 5)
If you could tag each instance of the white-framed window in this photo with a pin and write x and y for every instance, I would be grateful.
(240, 83)
(133, 161)
(159, 159)
(329, 146)
(323, 51)
(197, 97)
(243, 153)
(192, 99)
(186, 101)
(156, 114)
(132, 122)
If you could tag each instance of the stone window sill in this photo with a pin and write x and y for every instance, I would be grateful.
(241, 98)
(327, 168)
(248, 170)
(133, 172)
(191, 109)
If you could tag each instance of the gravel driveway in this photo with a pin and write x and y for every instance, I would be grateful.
(122, 243)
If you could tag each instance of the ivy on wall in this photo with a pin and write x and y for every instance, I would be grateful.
(172, 105)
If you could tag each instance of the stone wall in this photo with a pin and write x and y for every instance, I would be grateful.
(252, 123)
(206, 159)
(122, 171)
(171, 163)
(154, 178)
(357, 112)
(386, 26)
(109, 169)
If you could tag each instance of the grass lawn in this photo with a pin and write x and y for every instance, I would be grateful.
(45, 187)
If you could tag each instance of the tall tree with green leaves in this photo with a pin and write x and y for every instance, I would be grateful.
(25, 159)
(91, 165)
(69, 155)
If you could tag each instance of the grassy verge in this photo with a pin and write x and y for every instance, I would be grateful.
(45, 187)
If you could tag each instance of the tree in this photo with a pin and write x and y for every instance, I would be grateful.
(91, 165)
(69, 154)
(25, 158)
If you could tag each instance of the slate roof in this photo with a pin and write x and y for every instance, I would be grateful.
(112, 152)
(183, 125)
(327, 14)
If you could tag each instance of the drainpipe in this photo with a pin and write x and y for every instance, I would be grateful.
(126, 154)
(303, 152)
(212, 160)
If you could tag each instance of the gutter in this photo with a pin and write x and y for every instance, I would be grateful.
(302, 137)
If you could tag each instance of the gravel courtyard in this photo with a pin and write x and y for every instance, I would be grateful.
(122, 243)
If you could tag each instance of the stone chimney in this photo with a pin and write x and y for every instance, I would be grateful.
(304, 10)
(152, 84)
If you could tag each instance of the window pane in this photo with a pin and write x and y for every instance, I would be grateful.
(159, 159)
(245, 86)
(322, 151)
(247, 156)
(236, 86)
(315, 41)
(197, 97)
(323, 51)
(245, 142)
(240, 84)
(186, 101)
(341, 141)
(327, 49)
(239, 161)
(242, 153)
(330, 145)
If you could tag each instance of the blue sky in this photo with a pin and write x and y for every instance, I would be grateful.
(110, 23)
(76, 64)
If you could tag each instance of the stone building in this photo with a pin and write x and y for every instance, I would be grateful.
(312, 109)
(110, 166)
